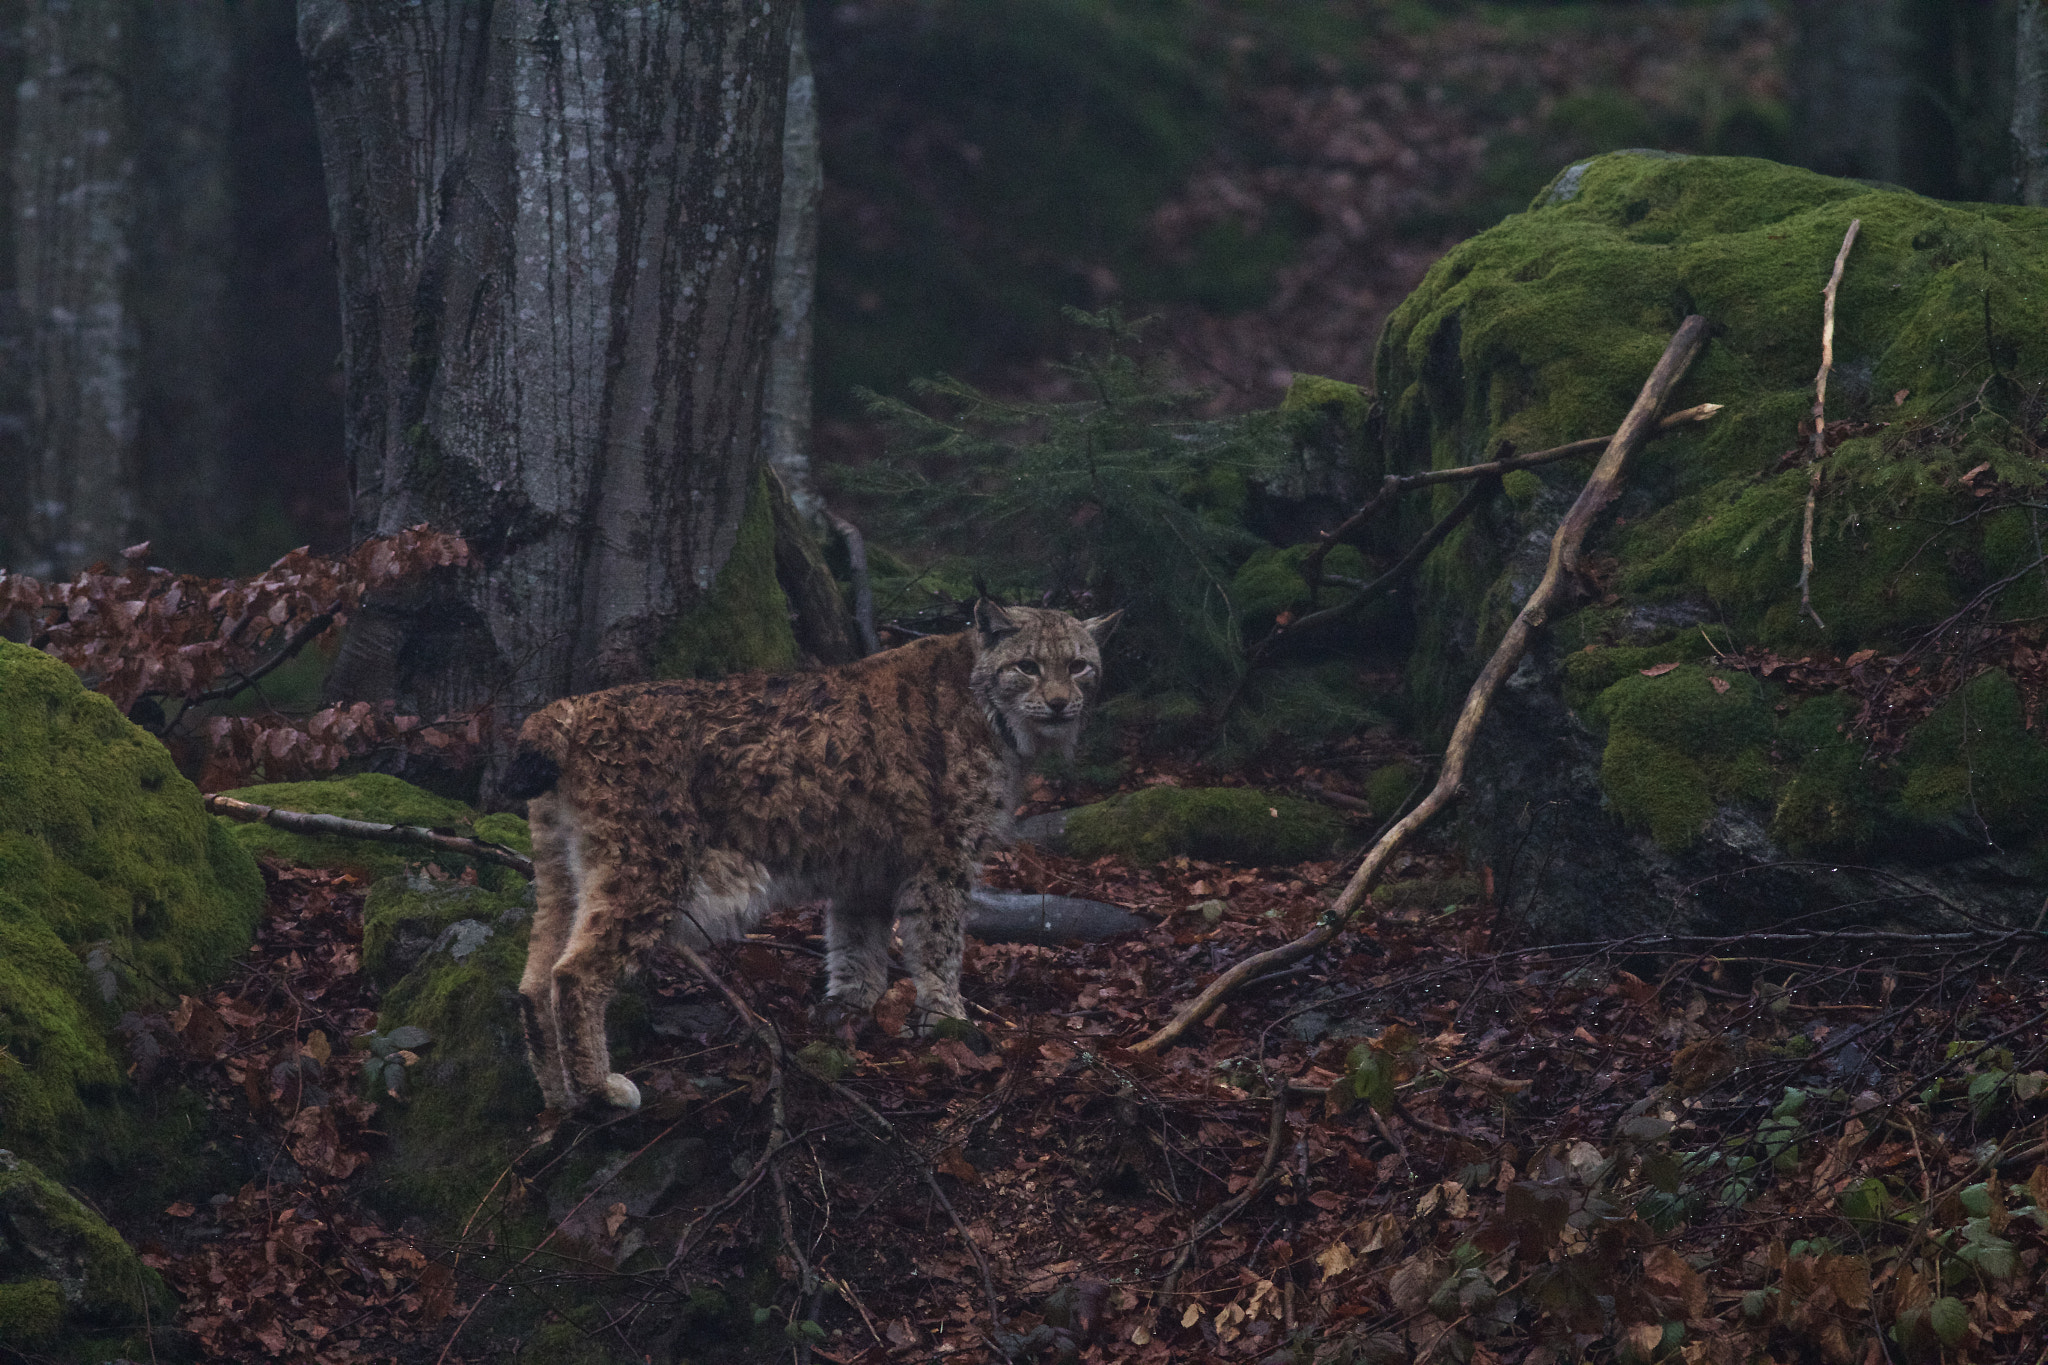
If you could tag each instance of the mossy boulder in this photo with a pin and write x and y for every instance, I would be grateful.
(386, 800)
(1234, 824)
(1622, 792)
(116, 889)
(70, 1288)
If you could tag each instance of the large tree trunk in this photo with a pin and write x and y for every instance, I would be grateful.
(117, 231)
(556, 223)
(2030, 103)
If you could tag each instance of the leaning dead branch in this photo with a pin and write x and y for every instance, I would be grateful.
(1820, 421)
(340, 827)
(1600, 489)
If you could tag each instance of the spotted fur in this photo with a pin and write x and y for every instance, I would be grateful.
(693, 808)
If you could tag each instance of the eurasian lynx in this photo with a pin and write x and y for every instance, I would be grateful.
(692, 808)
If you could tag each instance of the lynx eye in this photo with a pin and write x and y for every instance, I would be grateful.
(1078, 667)
(1028, 667)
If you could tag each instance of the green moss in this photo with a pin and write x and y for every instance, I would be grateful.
(1973, 761)
(742, 624)
(86, 1289)
(564, 1343)
(1241, 824)
(1271, 581)
(1678, 745)
(31, 1311)
(1312, 393)
(1521, 486)
(115, 888)
(382, 798)
(1833, 800)
(1387, 788)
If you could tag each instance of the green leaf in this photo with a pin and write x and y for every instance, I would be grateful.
(1950, 1320)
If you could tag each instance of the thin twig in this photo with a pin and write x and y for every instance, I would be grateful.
(1229, 1208)
(1600, 489)
(1395, 484)
(1820, 421)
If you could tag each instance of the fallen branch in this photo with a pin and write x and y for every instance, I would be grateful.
(1228, 1209)
(1396, 484)
(1601, 488)
(1820, 421)
(341, 827)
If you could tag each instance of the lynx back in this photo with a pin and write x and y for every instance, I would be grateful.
(691, 809)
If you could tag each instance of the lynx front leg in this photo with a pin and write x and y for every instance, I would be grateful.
(555, 894)
(932, 917)
(856, 952)
(584, 978)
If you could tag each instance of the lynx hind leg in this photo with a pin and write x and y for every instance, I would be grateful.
(586, 974)
(729, 894)
(555, 896)
(931, 911)
(857, 951)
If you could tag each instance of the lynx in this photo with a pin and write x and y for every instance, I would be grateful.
(693, 808)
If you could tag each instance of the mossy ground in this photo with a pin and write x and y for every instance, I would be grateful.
(1541, 330)
(115, 888)
(1238, 824)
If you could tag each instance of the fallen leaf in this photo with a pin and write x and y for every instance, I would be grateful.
(181, 1209)
(1719, 685)
(1658, 670)
(1335, 1259)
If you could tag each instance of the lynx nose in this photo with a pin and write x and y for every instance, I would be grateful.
(1056, 705)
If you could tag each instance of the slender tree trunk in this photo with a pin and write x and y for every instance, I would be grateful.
(2030, 103)
(556, 223)
(796, 287)
(112, 413)
(74, 214)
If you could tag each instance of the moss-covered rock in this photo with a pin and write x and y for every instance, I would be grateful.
(115, 888)
(1237, 824)
(70, 1288)
(385, 799)
(448, 958)
(1540, 331)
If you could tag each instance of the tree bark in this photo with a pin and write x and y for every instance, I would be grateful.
(2030, 103)
(117, 223)
(796, 287)
(556, 225)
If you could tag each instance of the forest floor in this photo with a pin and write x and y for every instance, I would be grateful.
(1433, 1141)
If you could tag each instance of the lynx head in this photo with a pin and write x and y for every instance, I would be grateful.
(1035, 672)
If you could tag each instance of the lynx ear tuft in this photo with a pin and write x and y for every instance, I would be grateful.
(621, 1093)
(1102, 627)
(991, 622)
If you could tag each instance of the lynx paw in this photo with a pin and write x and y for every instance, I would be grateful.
(620, 1093)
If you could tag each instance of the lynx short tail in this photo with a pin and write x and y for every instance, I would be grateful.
(532, 774)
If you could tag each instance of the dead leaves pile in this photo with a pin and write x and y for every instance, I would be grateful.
(287, 1267)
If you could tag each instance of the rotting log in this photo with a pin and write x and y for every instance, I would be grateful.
(1600, 489)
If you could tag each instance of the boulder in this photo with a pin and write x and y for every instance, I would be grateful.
(68, 1283)
(116, 889)
(1629, 777)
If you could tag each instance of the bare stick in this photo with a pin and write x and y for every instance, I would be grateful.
(863, 587)
(336, 826)
(1820, 420)
(1228, 1209)
(1395, 484)
(1601, 488)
